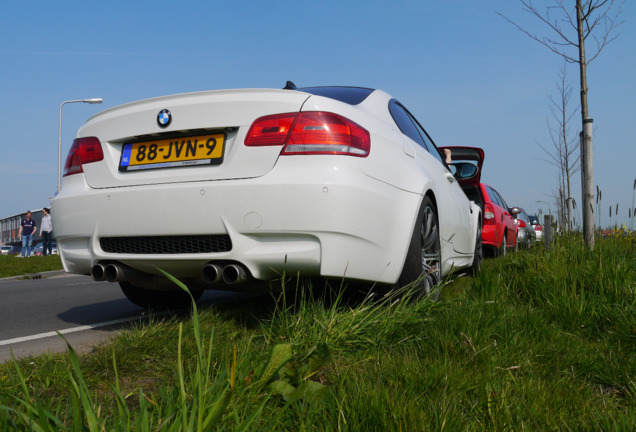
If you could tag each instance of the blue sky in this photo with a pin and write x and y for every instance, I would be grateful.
(469, 76)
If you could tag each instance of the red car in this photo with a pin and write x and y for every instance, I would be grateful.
(499, 231)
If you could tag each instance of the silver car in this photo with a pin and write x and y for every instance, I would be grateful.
(538, 228)
(526, 235)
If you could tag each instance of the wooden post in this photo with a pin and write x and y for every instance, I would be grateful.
(547, 231)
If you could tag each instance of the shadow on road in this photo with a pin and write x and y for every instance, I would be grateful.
(101, 312)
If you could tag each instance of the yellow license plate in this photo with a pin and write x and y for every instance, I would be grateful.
(173, 152)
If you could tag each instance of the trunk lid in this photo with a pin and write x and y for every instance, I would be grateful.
(217, 120)
(466, 164)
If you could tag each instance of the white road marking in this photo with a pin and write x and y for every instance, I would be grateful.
(69, 330)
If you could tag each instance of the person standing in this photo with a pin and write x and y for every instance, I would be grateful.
(27, 230)
(45, 232)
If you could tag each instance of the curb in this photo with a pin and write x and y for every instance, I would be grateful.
(32, 276)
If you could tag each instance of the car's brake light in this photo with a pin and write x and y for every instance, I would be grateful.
(83, 151)
(310, 133)
(522, 224)
(489, 214)
(270, 130)
(327, 133)
(538, 227)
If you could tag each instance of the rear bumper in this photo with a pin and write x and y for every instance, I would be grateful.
(522, 236)
(489, 236)
(333, 223)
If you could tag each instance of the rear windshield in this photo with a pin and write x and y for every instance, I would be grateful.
(350, 95)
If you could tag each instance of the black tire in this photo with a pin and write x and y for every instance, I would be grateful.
(424, 253)
(154, 299)
(479, 254)
(502, 249)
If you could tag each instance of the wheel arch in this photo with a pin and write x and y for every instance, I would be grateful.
(430, 194)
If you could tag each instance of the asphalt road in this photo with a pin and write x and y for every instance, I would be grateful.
(85, 311)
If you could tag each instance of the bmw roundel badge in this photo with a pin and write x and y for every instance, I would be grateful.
(164, 118)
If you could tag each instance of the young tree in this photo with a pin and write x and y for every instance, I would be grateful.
(563, 154)
(571, 29)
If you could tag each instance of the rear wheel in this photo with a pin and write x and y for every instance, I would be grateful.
(502, 248)
(423, 260)
(154, 299)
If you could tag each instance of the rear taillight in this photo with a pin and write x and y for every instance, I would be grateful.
(310, 133)
(489, 214)
(522, 224)
(538, 227)
(83, 151)
(270, 130)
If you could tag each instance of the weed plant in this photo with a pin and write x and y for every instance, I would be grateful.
(540, 340)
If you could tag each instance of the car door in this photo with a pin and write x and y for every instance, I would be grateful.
(507, 220)
(493, 198)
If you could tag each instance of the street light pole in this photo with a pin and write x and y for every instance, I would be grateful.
(59, 139)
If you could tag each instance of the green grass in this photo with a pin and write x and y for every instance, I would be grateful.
(538, 341)
(14, 266)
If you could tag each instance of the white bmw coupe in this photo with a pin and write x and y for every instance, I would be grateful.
(222, 187)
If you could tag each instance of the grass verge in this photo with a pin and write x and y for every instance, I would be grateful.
(538, 341)
(14, 266)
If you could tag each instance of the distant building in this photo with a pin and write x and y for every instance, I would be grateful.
(10, 227)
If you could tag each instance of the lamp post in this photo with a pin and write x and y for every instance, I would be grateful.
(59, 140)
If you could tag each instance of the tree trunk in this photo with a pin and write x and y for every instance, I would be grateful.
(566, 165)
(587, 187)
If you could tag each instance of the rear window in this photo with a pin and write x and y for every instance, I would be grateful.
(523, 216)
(350, 95)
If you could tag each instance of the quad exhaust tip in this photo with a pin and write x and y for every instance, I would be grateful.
(113, 272)
(229, 274)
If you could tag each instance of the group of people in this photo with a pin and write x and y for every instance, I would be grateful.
(27, 231)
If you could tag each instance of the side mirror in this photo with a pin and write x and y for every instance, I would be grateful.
(515, 211)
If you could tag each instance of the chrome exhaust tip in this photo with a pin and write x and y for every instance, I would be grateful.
(117, 272)
(211, 273)
(233, 274)
(98, 272)
(113, 273)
